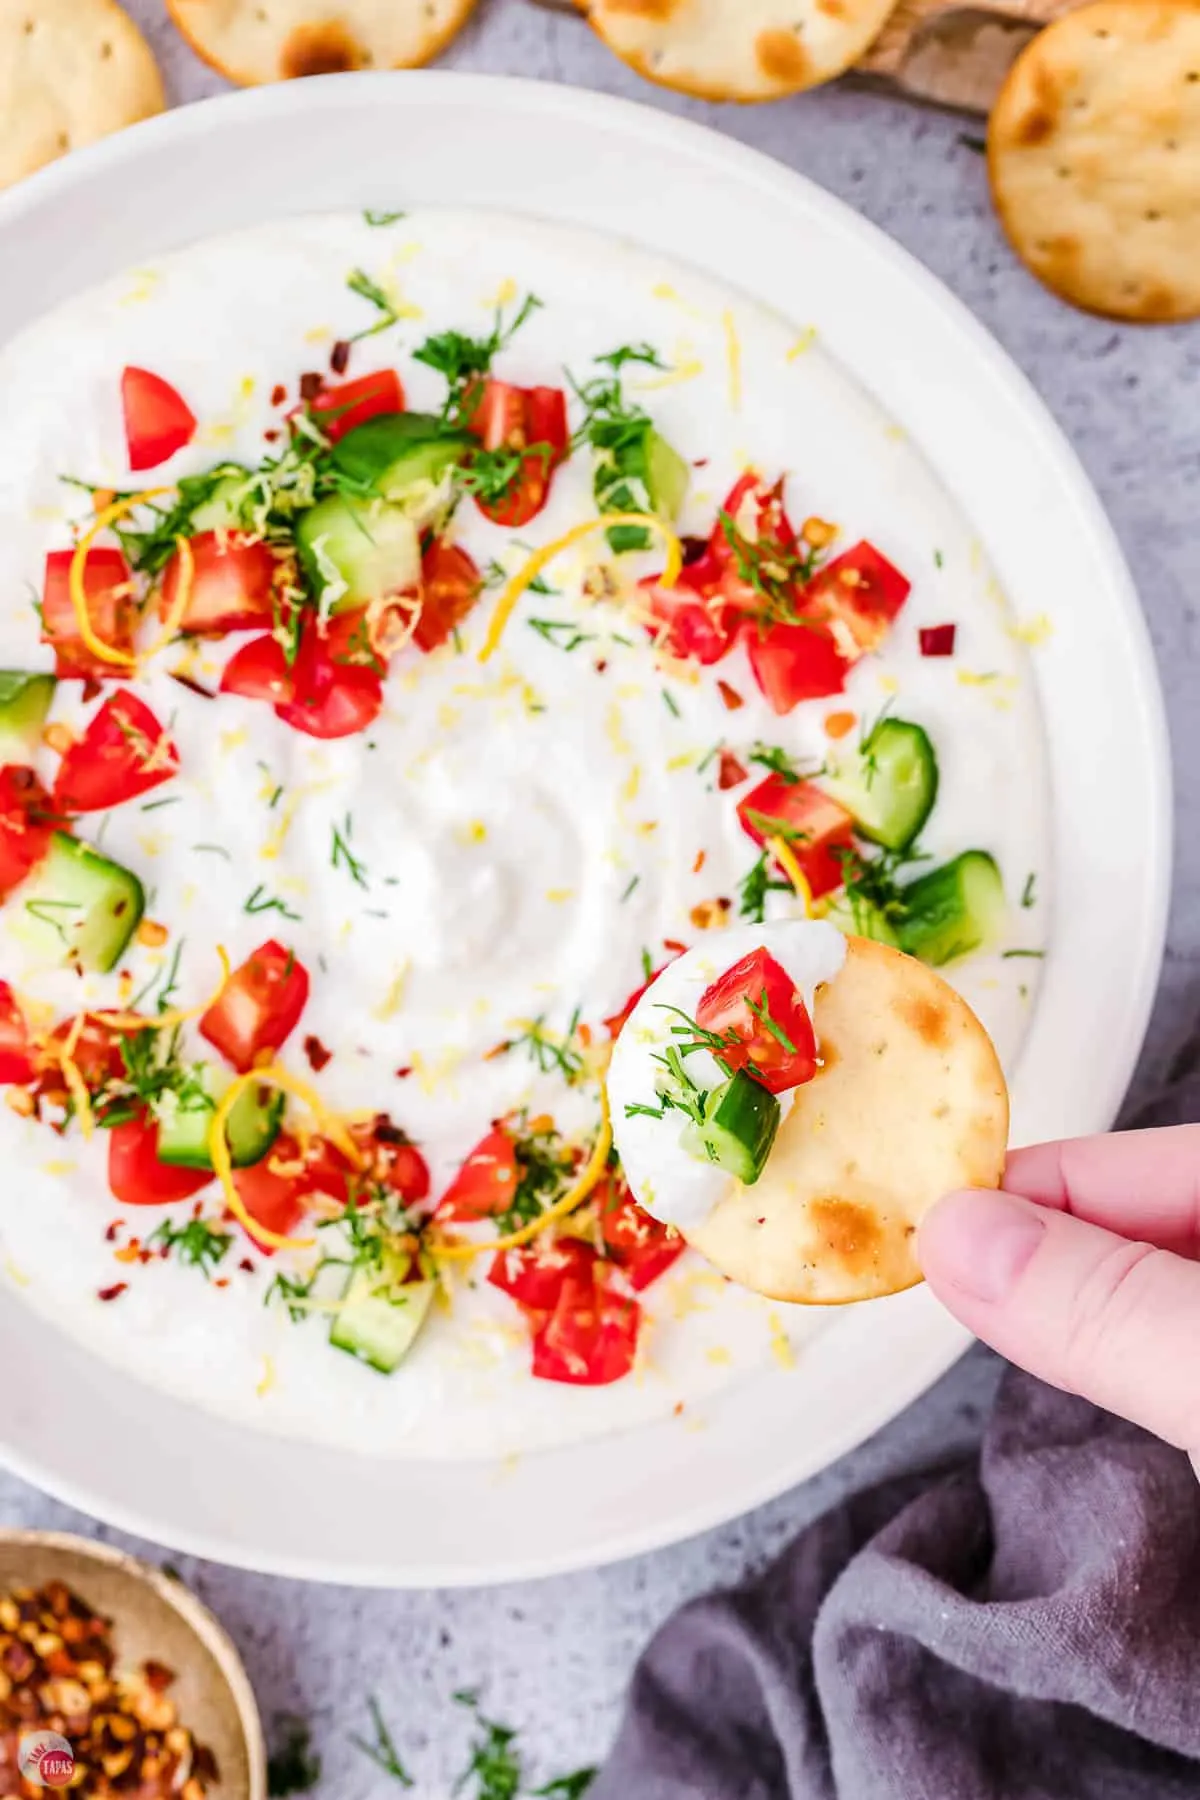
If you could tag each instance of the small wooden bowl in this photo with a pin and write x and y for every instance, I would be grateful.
(157, 1617)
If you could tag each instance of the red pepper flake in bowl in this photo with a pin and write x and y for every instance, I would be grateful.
(114, 1292)
(318, 1056)
(938, 640)
(732, 772)
(733, 700)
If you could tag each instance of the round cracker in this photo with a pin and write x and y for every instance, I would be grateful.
(751, 50)
(253, 41)
(71, 71)
(910, 1103)
(1094, 155)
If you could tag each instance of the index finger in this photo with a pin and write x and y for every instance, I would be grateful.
(1142, 1184)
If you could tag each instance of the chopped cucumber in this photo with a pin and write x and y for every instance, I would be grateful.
(381, 1315)
(222, 511)
(24, 703)
(953, 910)
(636, 471)
(737, 1135)
(889, 783)
(356, 551)
(250, 1130)
(402, 457)
(853, 913)
(79, 908)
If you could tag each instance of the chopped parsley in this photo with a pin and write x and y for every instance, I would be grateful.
(671, 704)
(1029, 893)
(770, 756)
(775, 572)
(360, 283)
(561, 633)
(632, 353)
(567, 1787)
(383, 1752)
(464, 360)
(545, 1170)
(548, 1051)
(629, 890)
(200, 1243)
(617, 431)
(1037, 955)
(376, 219)
(754, 888)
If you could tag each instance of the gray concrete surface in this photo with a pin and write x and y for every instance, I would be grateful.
(553, 1657)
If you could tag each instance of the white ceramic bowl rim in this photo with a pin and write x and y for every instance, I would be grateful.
(133, 1457)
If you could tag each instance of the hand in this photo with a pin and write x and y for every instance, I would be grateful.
(1083, 1271)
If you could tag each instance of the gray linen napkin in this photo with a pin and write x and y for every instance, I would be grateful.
(1024, 1628)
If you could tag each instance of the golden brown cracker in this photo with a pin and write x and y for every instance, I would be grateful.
(253, 41)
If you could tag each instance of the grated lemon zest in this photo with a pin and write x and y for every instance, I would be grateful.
(785, 856)
(128, 1021)
(571, 1201)
(107, 516)
(175, 618)
(733, 351)
(267, 1381)
(541, 559)
(803, 343)
(684, 371)
(781, 1345)
(283, 1082)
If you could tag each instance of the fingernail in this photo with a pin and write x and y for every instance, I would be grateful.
(979, 1243)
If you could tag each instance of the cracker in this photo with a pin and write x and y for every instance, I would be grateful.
(748, 50)
(252, 41)
(910, 1104)
(71, 71)
(1094, 156)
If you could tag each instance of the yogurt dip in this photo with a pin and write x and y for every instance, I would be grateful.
(480, 878)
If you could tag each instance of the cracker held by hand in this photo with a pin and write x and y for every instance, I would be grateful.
(71, 71)
(738, 49)
(252, 41)
(1094, 155)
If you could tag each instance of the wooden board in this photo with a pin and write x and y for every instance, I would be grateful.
(943, 54)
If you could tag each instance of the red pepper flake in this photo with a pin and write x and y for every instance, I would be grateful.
(404, 1073)
(678, 1409)
(91, 689)
(114, 1292)
(733, 700)
(700, 462)
(731, 771)
(193, 687)
(674, 946)
(938, 640)
(601, 666)
(278, 394)
(318, 1056)
(694, 548)
(221, 1281)
(339, 357)
(701, 856)
(246, 1265)
(272, 436)
(158, 1676)
(311, 385)
(110, 1236)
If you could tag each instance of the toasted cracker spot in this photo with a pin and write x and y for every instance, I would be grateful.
(252, 41)
(1094, 157)
(781, 55)
(911, 1104)
(71, 71)
(754, 50)
(319, 50)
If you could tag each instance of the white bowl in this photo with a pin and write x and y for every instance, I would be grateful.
(371, 141)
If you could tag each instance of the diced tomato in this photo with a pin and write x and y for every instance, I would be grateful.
(232, 587)
(487, 1182)
(330, 699)
(938, 640)
(640, 1245)
(451, 585)
(123, 753)
(792, 663)
(391, 1159)
(758, 1010)
(340, 409)
(158, 420)
(259, 671)
(278, 1191)
(690, 620)
(859, 594)
(111, 611)
(760, 518)
(18, 1064)
(590, 1339)
(347, 642)
(731, 771)
(27, 823)
(534, 1276)
(135, 1175)
(816, 829)
(511, 418)
(259, 1007)
(97, 1055)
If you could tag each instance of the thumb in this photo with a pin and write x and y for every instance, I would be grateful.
(1082, 1308)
